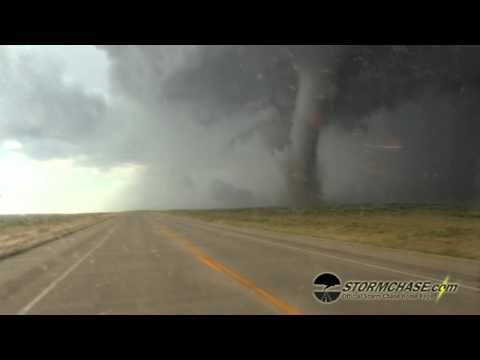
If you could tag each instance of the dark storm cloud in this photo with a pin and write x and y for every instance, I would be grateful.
(266, 125)
(207, 105)
(52, 118)
(193, 106)
(428, 97)
(218, 83)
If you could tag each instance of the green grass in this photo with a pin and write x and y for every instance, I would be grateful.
(432, 228)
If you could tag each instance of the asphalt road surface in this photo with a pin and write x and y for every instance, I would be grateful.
(149, 263)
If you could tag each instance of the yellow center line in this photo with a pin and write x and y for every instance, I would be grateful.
(214, 265)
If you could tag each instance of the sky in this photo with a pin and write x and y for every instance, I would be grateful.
(85, 129)
(46, 185)
(130, 127)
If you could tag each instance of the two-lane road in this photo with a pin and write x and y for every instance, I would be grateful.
(148, 263)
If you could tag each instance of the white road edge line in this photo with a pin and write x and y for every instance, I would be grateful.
(62, 277)
(347, 260)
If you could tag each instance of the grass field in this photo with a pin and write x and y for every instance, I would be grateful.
(20, 232)
(438, 229)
